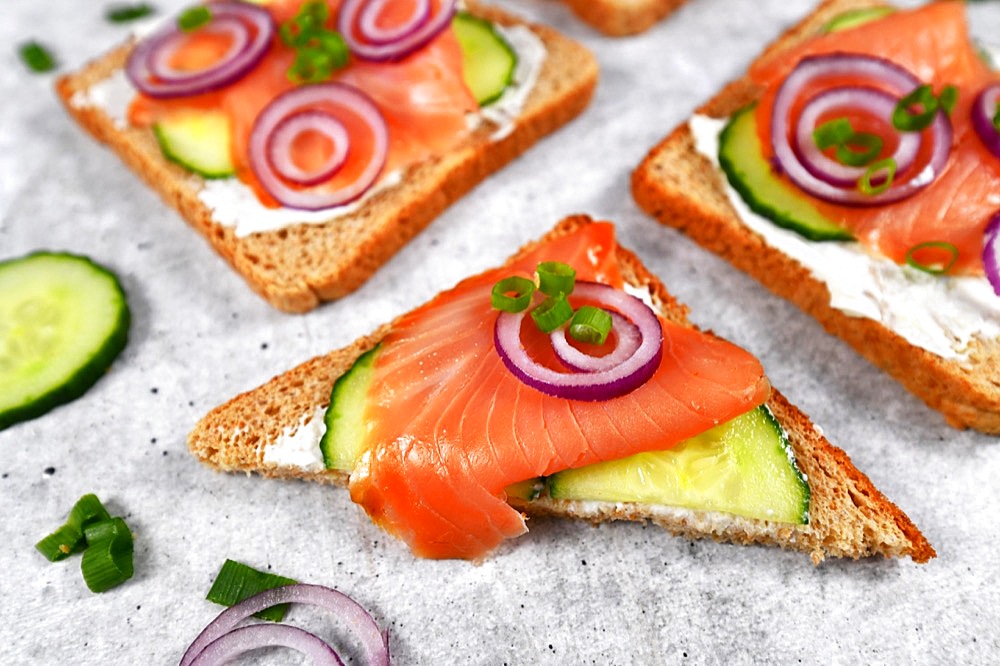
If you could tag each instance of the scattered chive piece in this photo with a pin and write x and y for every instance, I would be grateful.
(193, 18)
(552, 313)
(906, 120)
(948, 98)
(105, 529)
(522, 289)
(108, 563)
(237, 581)
(318, 51)
(590, 324)
(833, 133)
(936, 268)
(853, 148)
(61, 544)
(87, 510)
(37, 57)
(886, 166)
(126, 13)
(555, 277)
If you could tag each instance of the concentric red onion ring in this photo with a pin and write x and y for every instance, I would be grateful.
(983, 111)
(413, 36)
(279, 146)
(889, 76)
(322, 96)
(369, 27)
(991, 252)
(628, 341)
(245, 639)
(251, 28)
(880, 104)
(591, 386)
(374, 643)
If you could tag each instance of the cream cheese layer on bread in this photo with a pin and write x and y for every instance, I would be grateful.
(961, 308)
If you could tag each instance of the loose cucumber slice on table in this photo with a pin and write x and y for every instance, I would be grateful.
(63, 320)
(742, 159)
(743, 467)
(198, 141)
(488, 61)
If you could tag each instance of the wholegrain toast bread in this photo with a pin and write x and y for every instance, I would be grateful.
(682, 189)
(300, 266)
(848, 516)
(622, 17)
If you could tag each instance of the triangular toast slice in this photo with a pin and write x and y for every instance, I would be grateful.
(847, 515)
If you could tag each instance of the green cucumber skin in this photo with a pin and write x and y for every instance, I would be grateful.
(856, 17)
(185, 163)
(95, 367)
(484, 26)
(337, 408)
(737, 166)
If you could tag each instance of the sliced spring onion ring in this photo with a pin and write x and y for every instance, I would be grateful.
(591, 325)
(246, 639)
(374, 644)
(883, 171)
(249, 27)
(294, 126)
(814, 71)
(522, 289)
(555, 277)
(552, 313)
(61, 544)
(193, 18)
(937, 268)
(613, 382)
(986, 116)
(905, 119)
(237, 581)
(852, 148)
(414, 33)
(627, 340)
(991, 252)
(108, 563)
(350, 107)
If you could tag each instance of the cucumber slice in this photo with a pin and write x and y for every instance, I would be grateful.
(63, 320)
(743, 467)
(199, 141)
(852, 18)
(742, 159)
(488, 61)
(345, 428)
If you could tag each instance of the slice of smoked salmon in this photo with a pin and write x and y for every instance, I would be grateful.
(933, 43)
(449, 427)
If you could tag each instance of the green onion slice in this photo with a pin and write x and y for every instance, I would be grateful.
(237, 581)
(319, 52)
(555, 277)
(105, 529)
(61, 544)
(853, 148)
(87, 510)
(886, 168)
(906, 117)
(125, 13)
(834, 132)
(37, 57)
(193, 18)
(512, 294)
(108, 563)
(552, 313)
(590, 324)
(948, 99)
(937, 267)
(996, 118)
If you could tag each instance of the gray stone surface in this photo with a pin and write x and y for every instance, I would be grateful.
(563, 594)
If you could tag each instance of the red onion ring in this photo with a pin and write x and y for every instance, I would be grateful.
(279, 146)
(983, 110)
(888, 75)
(628, 341)
(369, 27)
(251, 28)
(591, 386)
(879, 103)
(374, 643)
(245, 639)
(991, 252)
(415, 34)
(322, 96)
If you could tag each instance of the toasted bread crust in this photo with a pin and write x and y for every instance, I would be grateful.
(298, 267)
(682, 189)
(619, 18)
(849, 517)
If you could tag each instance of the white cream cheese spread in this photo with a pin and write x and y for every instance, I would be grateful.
(298, 446)
(942, 314)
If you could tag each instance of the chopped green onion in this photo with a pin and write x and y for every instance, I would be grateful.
(37, 57)
(87, 510)
(108, 563)
(552, 313)
(193, 18)
(522, 289)
(948, 99)
(853, 148)
(555, 277)
(935, 268)
(319, 52)
(834, 132)
(105, 529)
(61, 544)
(906, 119)
(886, 166)
(590, 324)
(237, 581)
(125, 13)
(996, 118)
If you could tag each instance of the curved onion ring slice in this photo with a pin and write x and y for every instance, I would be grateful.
(281, 142)
(991, 252)
(351, 23)
(984, 109)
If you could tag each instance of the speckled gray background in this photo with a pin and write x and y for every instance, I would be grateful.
(565, 593)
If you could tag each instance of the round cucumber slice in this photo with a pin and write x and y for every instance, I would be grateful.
(743, 467)
(488, 61)
(63, 320)
(197, 140)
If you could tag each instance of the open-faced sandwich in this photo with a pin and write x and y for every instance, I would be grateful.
(855, 170)
(308, 140)
(622, 17)
(566, 382)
